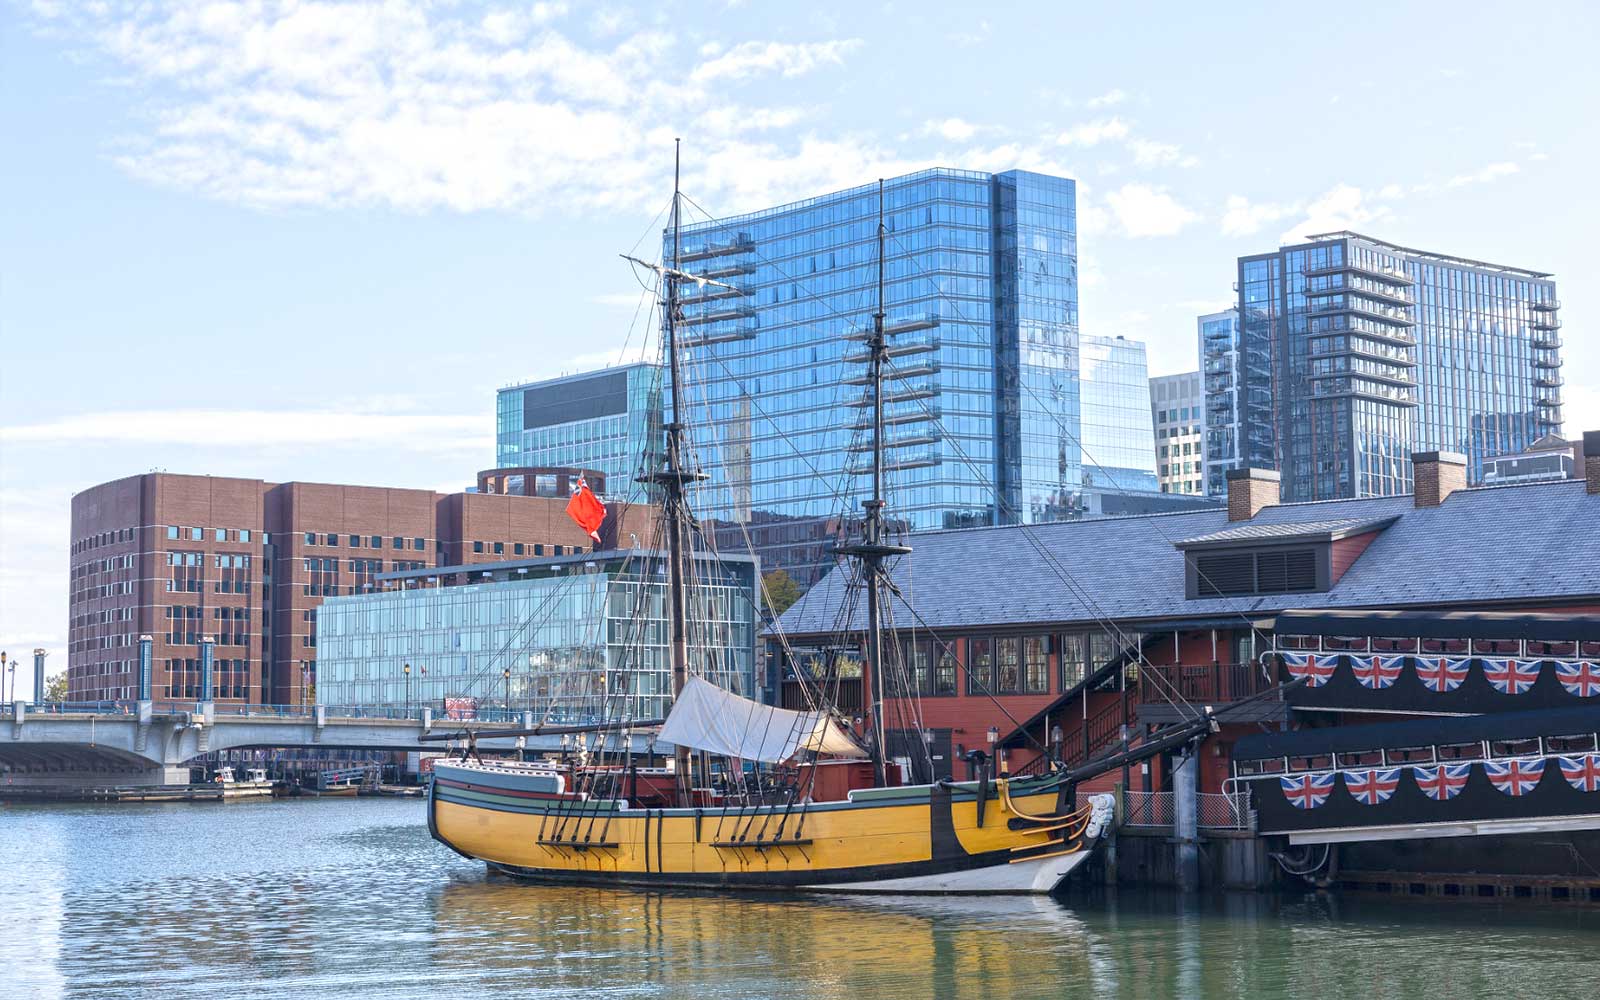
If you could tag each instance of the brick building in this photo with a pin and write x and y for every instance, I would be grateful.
(1064, 633)
(247, 562)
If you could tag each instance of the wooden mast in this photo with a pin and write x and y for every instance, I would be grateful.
(672, 478)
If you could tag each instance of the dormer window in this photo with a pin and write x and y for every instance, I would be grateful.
(1286, 558)
(1262, 571)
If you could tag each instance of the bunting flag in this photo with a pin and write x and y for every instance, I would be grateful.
(1511, 675)
(1441, 675)
(1315, 670)
(1373, 786)
(1582, 773)
(1581, 678)
(1515, 777)
(1443, 781)
(1377, 671)
(1307, 791)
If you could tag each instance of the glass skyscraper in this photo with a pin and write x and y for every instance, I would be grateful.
(608, 421)
(983, 404)
(1219, 359)
(1354, 353)
(1119, 451)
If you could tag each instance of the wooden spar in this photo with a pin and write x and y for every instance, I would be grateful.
(490, 734)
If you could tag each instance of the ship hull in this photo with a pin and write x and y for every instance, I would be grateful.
(920, 839)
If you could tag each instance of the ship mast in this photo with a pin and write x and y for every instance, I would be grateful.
(672, 478)
(872, 549)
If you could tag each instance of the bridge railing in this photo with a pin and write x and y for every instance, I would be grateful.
(482, 713)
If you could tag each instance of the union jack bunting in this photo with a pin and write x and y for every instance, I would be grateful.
(1581, 678)
(1377, 671)
(1441, 674)
(1443, 781)
(1582, 773)
(1515, 777)
(1315, 670)
(1373, 786)
(1307, 791)
(1511, 675)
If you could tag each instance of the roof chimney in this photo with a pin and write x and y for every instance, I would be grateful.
(1249, 490)
(1591, 461)
(1436, 475)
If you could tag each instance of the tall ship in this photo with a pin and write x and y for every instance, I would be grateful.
(753, 796)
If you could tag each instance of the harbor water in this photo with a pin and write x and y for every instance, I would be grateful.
(350, 898)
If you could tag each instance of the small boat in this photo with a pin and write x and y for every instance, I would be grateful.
(255, 783)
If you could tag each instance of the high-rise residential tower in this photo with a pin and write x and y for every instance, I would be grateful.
(1355, 353)
(1219, 360)
(607, 420)
(983, 405)
(1117, 440)
(1178, 402)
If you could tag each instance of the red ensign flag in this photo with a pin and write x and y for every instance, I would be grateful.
(586, 509)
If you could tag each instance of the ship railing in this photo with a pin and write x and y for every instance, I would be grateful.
(1216, 810)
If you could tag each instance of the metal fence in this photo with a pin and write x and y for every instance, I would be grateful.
(1218, 811)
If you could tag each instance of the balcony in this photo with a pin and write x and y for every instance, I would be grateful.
(912, 460)
(1546, 359)
(914, 416)
(721, 337)
(718, 315)
(899, 349)
(904, 441)
(1545, 305)
(901, 395)
(1393, 277)
(1546, 342)
(727, 271)
(714, 295)
(1548, 400)
(1544, 381)
(1546, 321)
(926, 367)
(1357, 309)
(706, 251)
(1204, 684)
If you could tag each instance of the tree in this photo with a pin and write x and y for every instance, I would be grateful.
(55, 689)
(781, 591)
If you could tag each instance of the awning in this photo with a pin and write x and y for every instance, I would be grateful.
(1441, 625)
(708, 718)
(1438, 730)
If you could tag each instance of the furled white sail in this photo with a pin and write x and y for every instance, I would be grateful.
(708, 718)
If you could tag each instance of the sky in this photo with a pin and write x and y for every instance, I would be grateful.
(295, 240)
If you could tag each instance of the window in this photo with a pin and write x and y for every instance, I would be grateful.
(944, 674)
(1071, 656)
(311, 538)
(172, 531)
(196, 534)
(333, 539)
(1008, 675)
(538, 550)
(477, 546)
(1036, 664)
(516, 549)
(499, 548)
(917, 666)
(399, 542)
(244, 534)
(416, 543)
(220, 535)
(1269, 571)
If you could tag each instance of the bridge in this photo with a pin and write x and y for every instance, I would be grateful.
(141, 743)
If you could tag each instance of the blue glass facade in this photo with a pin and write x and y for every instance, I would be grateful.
(1355, 353)
(1219, 361)
(581, 637)
(1118, 438)
(983, 399)
(608, 421)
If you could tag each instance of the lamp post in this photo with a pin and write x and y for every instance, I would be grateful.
(3, 677)
(406, 670)
(506, 673)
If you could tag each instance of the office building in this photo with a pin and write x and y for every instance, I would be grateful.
(1178, 402)
(1219, 359)
(248, 563)
(983, 404)
(1117, 439)
(1355, 353)
(608, 421)
(570, 638)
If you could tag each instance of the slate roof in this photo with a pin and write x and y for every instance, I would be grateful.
(1250, 531)
(1520, 542)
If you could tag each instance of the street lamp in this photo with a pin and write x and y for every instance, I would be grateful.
(3, 677)
(506, 673)
(407, 671)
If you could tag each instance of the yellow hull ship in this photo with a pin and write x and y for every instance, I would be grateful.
(519, 819)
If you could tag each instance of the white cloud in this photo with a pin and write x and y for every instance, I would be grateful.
(954, 129)
(1242, 217)
(1148, 153)
(422, 105)
(1106, 99)
(750, 58)
(1094, 133)
(1143, 210)
(1343, 206)
(1493, 171)
(255, 428)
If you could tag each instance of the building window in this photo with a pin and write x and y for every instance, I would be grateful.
(1071, 656)
(196, 534)
(1281, 571)
(944, 674)
(499, 548)
(477, 546)
(1008, 675)
(516, 549)
(172, 532)
(311, 538)
(1036, 664)
(416, 543)
(333, 539)
(399, 542)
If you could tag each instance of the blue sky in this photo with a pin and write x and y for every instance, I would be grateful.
(308, 241)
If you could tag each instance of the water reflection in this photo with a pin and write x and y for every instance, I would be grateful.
(351, 899)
